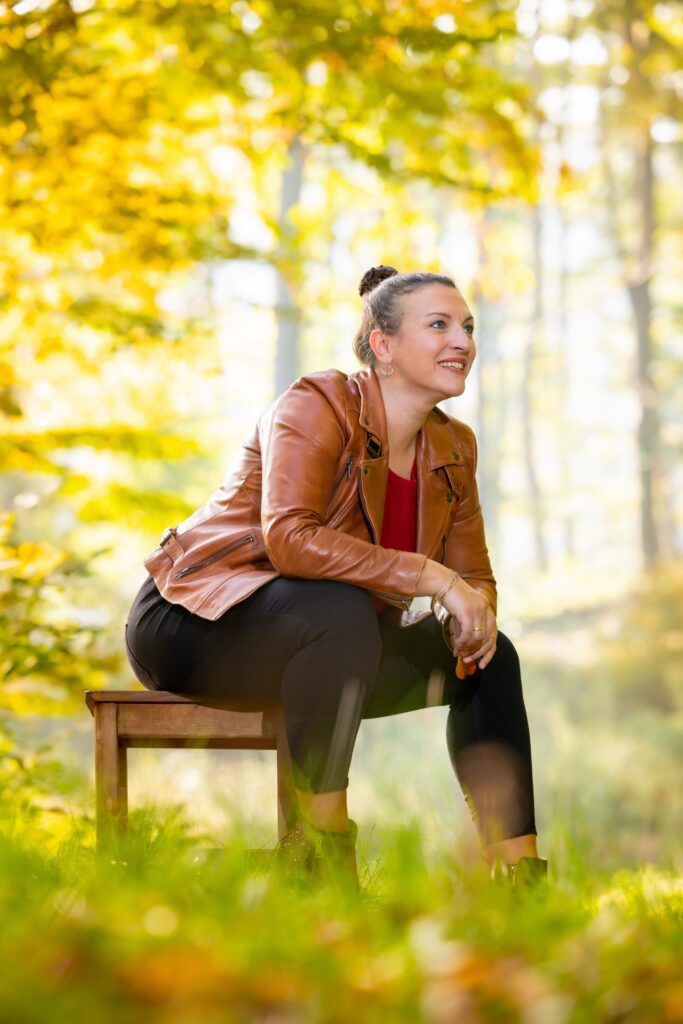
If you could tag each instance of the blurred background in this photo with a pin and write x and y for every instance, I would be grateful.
(190, 193)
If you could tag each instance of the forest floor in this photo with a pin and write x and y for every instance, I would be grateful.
(153, 929)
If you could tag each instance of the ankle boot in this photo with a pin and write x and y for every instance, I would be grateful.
(307, 853)
(295, 854)
(528, 874)
(336, 857)
(531, 873)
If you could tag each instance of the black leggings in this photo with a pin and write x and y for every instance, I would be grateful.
(320, 647)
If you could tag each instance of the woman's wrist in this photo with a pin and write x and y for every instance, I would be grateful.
(454, 576)
(433, 580)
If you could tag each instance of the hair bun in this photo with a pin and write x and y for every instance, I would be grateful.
(374, 276)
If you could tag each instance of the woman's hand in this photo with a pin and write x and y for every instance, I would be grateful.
(469, 607)
(481, 650)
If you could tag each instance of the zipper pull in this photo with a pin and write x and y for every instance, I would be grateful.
(349, 466)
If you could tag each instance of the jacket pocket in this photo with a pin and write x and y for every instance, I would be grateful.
(347, 471)
(249, 539)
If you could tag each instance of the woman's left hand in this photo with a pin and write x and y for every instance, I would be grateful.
(468, 657)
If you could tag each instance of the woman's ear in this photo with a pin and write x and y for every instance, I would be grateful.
(378, 344)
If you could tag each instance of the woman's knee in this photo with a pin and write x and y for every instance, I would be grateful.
(506, 652)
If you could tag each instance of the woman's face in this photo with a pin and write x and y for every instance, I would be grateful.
(434, 350)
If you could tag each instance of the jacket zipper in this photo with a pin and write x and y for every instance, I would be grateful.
(405, 601)
(346, 471)
(249, 539)
(364, 509)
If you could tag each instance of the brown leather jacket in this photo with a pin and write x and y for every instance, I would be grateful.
(306, 499)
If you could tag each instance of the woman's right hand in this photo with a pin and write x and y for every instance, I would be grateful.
(479, 657)
(469, 607)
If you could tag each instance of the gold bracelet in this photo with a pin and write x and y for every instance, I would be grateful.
(443, 617)
(455, 575)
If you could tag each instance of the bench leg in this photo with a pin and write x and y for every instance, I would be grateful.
(287, 809)
(111, 773)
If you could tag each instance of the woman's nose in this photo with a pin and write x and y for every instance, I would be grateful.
(461, 340)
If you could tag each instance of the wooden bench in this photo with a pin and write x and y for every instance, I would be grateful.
(150, 718)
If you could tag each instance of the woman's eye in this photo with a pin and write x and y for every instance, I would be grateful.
(470, 328)
(437, 322)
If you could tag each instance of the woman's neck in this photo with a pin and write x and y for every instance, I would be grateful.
(405, 415)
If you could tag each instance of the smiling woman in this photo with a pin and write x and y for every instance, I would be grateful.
(353, 495)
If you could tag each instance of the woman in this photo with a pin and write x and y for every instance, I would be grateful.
(294, 581)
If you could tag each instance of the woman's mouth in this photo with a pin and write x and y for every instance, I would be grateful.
(454, 365)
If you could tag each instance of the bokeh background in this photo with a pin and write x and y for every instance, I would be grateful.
(189, 195)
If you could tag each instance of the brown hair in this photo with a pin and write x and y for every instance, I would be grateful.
(384, 287)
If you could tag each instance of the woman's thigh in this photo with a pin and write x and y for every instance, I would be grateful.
(417, 669)
(245, 652)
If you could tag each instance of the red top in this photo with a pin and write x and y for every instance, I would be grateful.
(399, 526)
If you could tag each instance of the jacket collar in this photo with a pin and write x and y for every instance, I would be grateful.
(436, 448)
(439, 446)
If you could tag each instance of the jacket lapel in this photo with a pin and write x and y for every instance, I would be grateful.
(440, 482)
(439, 469)
(373, 469)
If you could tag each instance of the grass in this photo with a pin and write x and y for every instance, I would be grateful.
(154, 929)
(158, 929)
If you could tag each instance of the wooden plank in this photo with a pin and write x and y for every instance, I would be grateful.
(202, 743)
(193, 721)
(111, 773)
(95, 697)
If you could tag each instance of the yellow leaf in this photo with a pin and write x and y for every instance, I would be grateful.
(36, 560)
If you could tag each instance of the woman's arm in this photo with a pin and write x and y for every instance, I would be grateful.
(302, 440)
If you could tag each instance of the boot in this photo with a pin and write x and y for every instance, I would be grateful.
(295, 855)
(528, 874)
(308, 853)
(336, 861)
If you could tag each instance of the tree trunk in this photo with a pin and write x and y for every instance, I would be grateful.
(638, 285)
(564, 454)
(289, 320)
(564, 281)
(527, 396)
(535, 333)
(491, 398)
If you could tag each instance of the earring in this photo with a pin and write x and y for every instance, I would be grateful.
(387, 369)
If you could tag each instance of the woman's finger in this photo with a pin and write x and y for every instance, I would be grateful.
(470, 655)
(485, 661)
(481, 658)
(476, 655)
(478, 652)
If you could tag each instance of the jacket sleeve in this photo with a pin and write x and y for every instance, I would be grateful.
(466, 548)
(302, 441)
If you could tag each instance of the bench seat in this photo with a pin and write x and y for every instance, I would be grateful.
(151, 718)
